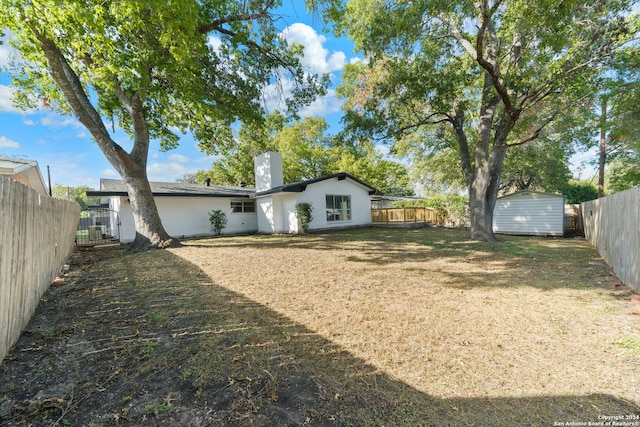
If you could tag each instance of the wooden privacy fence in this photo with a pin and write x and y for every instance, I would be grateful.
(612, 226)
(37, 234)
(406, 215)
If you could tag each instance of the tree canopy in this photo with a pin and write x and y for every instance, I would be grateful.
(474, 77)
(307, 153)
(75, 194)
(623, 118)
(156, 70)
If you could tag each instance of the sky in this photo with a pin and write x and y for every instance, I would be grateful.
(66, 147)
(63, 145)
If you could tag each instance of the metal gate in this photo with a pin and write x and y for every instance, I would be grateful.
(98, 226)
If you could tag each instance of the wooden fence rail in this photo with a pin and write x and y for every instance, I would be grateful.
(406, 215)
(612, 226)
(37, 234)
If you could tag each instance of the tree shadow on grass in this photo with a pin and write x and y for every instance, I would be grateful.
(149, 339)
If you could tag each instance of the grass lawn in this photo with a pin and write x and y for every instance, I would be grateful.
(368, 327)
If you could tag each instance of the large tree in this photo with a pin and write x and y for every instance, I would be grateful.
(308, 152)
(154, 68)
(494, 72)
(620, 122)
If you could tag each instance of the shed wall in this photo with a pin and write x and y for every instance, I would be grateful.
(539, 215)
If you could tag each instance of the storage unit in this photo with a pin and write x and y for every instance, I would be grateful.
(529, 213)
(97, 232)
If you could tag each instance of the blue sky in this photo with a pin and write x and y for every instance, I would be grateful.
(64, 145)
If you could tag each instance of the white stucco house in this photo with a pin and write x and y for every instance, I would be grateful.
(338, 200)
(529, 213)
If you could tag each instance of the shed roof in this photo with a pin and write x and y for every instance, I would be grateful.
(532, 194)
(116, 187)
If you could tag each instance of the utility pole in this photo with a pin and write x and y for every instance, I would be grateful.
(603, 147)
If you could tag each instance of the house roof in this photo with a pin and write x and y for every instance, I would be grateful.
(298, 187)
(25, 171)
(116, 187)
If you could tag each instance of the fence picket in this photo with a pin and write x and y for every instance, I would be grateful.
(612, 226)
(36, 235)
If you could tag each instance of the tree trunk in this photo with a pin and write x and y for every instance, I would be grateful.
(132, 166)
(150, 232)
(481, 203)
(481, 219)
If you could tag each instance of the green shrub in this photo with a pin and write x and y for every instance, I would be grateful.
(218, 221)
(303, 213)
(578, 192)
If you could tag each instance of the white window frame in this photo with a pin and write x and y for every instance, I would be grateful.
(243, 205)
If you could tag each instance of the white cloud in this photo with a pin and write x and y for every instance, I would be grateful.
(6, 106)
(383, 149)
(168, 172)
(316, 58)
(323, 105)
(108, 172)
(8, 143)
(55, 121)
(29, 122)
(207, 159)
(214, 43)
(179, 158)
(6, 51)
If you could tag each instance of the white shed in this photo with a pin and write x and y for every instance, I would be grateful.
(530, 213)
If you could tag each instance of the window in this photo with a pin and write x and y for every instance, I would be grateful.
(238, 206)
(338, 208)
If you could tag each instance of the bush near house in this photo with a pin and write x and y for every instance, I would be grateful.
(303, 211)
(218, 221)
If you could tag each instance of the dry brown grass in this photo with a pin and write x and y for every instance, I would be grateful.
(526, 318)
(372, 327)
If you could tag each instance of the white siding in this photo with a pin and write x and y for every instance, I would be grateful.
(529, 213)
(188, 217)
(283, 210)
(266, 216)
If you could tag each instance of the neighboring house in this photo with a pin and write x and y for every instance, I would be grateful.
(338, 200)
(25, 171)
(529, 213)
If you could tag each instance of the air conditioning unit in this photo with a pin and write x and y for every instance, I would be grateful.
(96, 232)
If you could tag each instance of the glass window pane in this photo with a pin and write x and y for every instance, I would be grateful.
(250, 206)
(236, 206)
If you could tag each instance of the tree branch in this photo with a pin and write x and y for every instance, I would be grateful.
(536, 133)
(217, 24)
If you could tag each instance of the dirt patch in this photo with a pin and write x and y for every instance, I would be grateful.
(366, 327)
